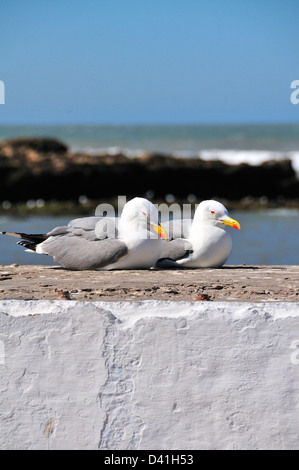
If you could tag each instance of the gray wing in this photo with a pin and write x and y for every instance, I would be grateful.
(85, 243)
(89, 228)
(177, 246)
(75, 252)
(175, 250)
(177, 228)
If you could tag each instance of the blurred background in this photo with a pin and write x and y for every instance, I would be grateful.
(176, 101)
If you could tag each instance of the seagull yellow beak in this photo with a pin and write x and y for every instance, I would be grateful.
(160, 231)
(231, 223)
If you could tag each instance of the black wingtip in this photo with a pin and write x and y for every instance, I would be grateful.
(27, 244)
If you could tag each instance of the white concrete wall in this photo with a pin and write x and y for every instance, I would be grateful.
(149, 375)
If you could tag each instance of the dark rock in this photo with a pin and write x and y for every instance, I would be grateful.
(44, 168)
(39, 144)
(63, 295)
(203, 297)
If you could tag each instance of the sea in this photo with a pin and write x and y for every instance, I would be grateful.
(230, 143)
(267, 237)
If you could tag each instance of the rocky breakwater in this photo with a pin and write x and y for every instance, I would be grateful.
(46, 168)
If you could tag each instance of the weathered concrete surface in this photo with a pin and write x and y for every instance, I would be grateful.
(230, 283)
(149, 375)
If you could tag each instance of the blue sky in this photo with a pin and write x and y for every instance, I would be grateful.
(153, 61)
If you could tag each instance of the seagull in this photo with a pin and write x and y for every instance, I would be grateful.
(199, 243)
(132, 241)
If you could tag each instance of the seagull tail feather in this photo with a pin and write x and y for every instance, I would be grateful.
(28, 240)
(32, 237)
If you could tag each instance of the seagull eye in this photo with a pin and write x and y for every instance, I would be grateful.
(213, 212)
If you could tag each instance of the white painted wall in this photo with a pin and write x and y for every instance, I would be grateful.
(149, 375)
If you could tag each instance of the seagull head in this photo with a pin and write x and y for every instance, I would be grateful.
(214, 213)
(140, 215)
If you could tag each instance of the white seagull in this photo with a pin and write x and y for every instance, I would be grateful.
(132, 241)
(199, 243)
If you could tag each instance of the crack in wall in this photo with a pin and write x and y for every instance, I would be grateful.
(122, 427)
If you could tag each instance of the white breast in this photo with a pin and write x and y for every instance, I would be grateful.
(211, 248)
(142, 254)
